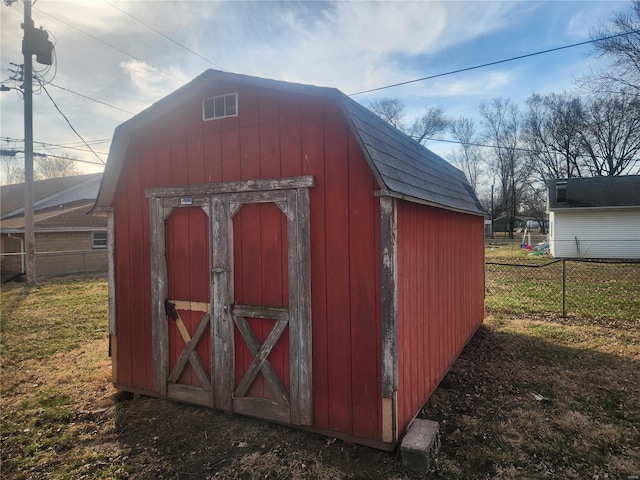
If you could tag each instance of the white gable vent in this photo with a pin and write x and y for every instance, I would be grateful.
(220, 107)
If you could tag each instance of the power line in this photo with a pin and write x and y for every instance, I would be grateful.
(53, 145)
(92, 99)
(165, 36)
(69, 146)
(69, 158)
(493, 63)
(64, 145)
(75, 144)
(69, 123)
(13, 152)
(111, 46)
(482, 145)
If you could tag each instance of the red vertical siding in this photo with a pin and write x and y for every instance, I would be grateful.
(139, 358)
(337, 265)
(147, 179)
(440, 297)
(311, 138)
(275, 135)
(363, 297)
(123, 291)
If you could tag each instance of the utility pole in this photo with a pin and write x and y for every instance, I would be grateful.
(34, 43)
(29, 235)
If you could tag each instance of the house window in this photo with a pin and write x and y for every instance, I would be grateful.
(220, 107)
(98, 240)
(561, 192)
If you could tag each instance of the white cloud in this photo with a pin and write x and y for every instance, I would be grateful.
(91, 16)
(596, 14)
(350, 45)
(360, 45)
(378, 29)
(149, 85)
(479, 83)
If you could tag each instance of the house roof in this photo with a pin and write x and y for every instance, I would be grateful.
(47, 192)
(596, 192)
(69, 216)
(403, 167)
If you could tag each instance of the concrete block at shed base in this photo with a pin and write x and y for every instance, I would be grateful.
(420, 445)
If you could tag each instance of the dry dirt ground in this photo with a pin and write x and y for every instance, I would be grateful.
(528, 398)
(108, 434)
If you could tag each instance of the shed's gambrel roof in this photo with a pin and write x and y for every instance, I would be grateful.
(596, 193)
(403, 167)
(407, 168)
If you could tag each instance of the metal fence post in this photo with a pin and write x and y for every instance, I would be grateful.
(564, 288)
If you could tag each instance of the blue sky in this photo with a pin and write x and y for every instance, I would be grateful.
(352, 46)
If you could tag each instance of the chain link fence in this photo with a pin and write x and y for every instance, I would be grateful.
(605, 289)
(52, 264)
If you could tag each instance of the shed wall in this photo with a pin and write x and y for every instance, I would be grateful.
(595, 233)
(440, 297)
(274, 135)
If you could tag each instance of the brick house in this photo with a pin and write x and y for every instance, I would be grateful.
(68, 240)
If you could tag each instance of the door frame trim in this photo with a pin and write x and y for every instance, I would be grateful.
(206, 189)
(222, 201)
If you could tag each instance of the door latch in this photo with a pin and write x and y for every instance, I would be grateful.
(170, 309)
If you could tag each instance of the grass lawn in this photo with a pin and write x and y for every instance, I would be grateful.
(519, 283)
(532, 396)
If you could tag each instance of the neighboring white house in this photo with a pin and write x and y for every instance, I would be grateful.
(596, 217)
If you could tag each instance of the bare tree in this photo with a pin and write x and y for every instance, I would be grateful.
(55, 166)
(623, 50)
(391, 110)
(611, 135)
(551, 132)
(429, 124)
(534, 202)
(424, 127)
(467, 155)
(501, 123)
(12, 169)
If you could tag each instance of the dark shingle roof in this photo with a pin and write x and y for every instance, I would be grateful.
(12, 196)
(408, 168)
(597, 192)
(402, 166)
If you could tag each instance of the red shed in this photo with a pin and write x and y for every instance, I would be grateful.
(279, 251)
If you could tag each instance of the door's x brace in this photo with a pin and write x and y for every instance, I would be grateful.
(188, 354)
(260, 359)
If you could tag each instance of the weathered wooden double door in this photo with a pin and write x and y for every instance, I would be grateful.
(231, 296)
